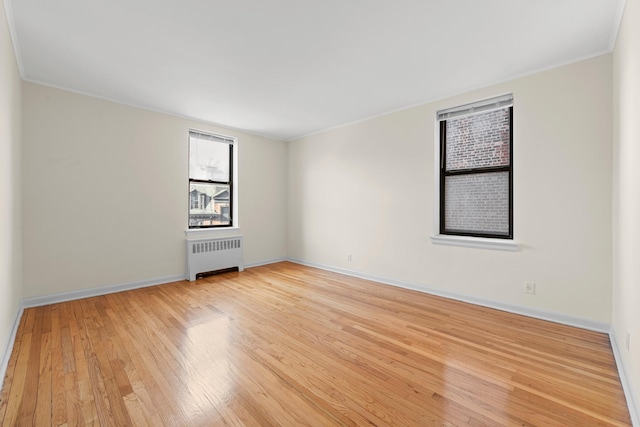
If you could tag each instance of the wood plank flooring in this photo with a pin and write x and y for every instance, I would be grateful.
(287, 345)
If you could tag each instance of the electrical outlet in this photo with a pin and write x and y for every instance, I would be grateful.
(349, 256)
(628, 343)
(530, 288)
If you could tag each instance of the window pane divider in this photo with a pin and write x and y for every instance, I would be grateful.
(477, 170)
(206, 181)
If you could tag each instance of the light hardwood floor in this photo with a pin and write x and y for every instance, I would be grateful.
(289, 345)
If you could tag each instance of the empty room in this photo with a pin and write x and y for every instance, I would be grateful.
(285, 212)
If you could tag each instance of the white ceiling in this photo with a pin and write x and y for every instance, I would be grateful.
(286, 68)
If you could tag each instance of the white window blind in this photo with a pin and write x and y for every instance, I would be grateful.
(477, 107)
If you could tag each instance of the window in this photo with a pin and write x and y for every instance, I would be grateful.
(210, 180)
(476, 169)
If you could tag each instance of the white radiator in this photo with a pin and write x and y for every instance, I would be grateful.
(205, 255)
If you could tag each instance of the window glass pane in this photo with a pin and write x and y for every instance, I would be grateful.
(478, 140)
(208, 160)
(477, 203)
(209, 204)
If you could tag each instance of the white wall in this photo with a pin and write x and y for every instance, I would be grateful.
(105, 190)
(626, 190)
(368, 189)
(10, 212)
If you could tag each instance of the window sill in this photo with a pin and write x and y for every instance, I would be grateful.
(203, 233)
(476, 242)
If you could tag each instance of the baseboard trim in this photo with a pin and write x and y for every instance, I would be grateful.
(632, 403)
(104, 290)
(265, 262)
(551, 316)
(94, 292)
(10, 343)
